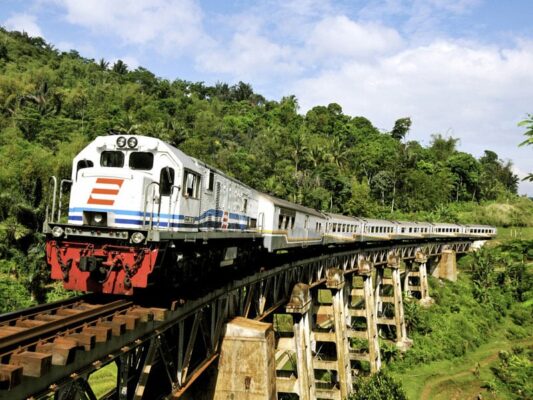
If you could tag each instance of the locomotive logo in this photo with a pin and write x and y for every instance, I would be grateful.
(105, 191)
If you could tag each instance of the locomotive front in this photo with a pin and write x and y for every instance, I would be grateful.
(115, 185)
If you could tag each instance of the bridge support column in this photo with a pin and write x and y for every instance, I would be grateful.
(299, 306)
(246, 368)
(425, 298)
(335, 282)
(447, 266)
(402, 341)
(398, 321)
(365, 295)
(417, 269)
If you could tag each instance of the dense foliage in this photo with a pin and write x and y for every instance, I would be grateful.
(493, 297)
(380, 386)
(53, 103)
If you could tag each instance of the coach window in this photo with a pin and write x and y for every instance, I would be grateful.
(83, 164)
(245, 206)
(191, 183)
(293, 218)
(211, 181)
(166, 180)
(141, 160)
(113, 159)
(280, 221)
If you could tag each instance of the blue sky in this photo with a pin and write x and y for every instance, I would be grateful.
(462, 68)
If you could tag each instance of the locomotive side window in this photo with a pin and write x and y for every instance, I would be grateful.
(191, 183)
(141, 160)
(166, 180)
(112, 159)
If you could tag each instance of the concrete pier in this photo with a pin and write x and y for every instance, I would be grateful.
(447, 266)
(416, 279)
(395, 298)
(335, 281)
(362, 306)
(246, 368)
(300, 345)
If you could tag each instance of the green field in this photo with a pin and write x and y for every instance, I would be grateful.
(462, 378)
(522, 233)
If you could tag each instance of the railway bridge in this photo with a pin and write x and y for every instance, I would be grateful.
(305, 328)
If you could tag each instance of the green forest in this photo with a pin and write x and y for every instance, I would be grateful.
(53, 103)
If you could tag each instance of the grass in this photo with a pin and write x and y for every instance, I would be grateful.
(457, 378)
(104, 380)
(523, 233)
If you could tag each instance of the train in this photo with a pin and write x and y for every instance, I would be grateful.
(143, 213)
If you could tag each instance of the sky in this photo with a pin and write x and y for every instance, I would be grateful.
(461, 68)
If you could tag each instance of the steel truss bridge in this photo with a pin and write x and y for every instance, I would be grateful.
(161, 353)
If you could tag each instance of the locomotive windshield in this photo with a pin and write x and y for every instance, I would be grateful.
(112, 159)
(141, 160)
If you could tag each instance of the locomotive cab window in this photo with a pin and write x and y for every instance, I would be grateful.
(166, 180)
(191, 184)
(141, 160)
(113, 159)
(83, 164)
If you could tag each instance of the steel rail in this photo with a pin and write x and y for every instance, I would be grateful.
(8, 317)
(48, 330)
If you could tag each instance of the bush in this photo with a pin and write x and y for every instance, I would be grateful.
(380, 386)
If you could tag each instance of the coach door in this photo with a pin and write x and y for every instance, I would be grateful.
(190, 200)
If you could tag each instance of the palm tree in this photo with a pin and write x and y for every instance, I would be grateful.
(120, 67)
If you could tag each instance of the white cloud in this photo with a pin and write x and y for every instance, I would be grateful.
(249, 56)
(24, 23)
(480, 93)
(169, 26)
(339, 36)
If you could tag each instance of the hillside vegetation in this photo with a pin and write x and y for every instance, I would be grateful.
(476, 340)
(53, 103)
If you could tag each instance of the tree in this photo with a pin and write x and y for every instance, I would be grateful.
(120, 67)
(465, 169)
(380, 386)
(401, 128)
(528, 124)
(442, 147)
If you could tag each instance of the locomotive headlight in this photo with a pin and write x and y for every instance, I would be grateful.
(121, 141)
(57, 231)
(137, 237)
(132, 142)
(98, 218)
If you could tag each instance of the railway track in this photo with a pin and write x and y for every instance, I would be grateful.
(53, 349)
(35, 339)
